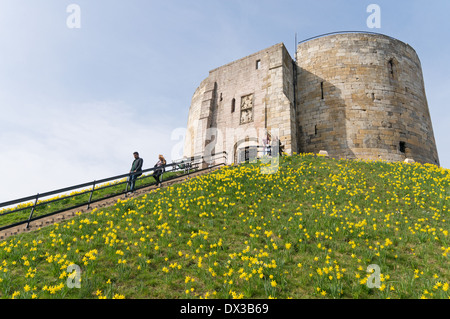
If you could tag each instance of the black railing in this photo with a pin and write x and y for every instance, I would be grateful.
(254, 153)
(186, 166)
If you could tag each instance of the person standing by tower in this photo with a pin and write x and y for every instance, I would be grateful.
(136, 170)
(159, 169)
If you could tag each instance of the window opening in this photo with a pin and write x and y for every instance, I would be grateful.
(402, 147)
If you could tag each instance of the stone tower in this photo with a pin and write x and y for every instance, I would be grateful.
(356, 95)
(238, 102)
(363, 96)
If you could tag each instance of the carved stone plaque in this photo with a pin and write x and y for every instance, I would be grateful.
(247, 109)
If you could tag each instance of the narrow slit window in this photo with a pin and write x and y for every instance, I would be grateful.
(391, 67)
(402, 146)
(258, 64)
(321, 90)
(315, 129)
(233, 105)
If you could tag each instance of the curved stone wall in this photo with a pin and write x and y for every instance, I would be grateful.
(362, 96)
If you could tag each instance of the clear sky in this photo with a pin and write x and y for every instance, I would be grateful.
(75, 103)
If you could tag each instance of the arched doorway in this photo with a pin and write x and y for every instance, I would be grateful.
(245, 150)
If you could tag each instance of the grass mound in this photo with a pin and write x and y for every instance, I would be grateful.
(310, 229)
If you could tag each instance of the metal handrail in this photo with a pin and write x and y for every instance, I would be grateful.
(343, 32)
(188, 163)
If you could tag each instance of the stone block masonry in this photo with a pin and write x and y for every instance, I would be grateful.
(354, 95)
(238, 102)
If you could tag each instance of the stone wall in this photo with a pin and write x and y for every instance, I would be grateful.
(363, 96)
(280, 99)
(357, 95)
(260, 87)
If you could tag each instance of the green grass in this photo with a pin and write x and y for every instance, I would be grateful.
(75, 198)
(310, 230)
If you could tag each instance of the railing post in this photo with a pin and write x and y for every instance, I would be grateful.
(128, 183)
(32, 210)
(90, 197)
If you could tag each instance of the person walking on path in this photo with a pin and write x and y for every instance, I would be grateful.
(136, 170)
(159, 169)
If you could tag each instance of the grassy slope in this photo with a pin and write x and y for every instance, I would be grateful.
(308, 231)
(75, 198)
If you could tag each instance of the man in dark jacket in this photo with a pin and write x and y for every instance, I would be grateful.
(136, 170)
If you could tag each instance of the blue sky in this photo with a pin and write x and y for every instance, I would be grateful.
(75, 103)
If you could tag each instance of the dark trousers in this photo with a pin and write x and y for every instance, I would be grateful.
(156, 176)
(132, 182)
